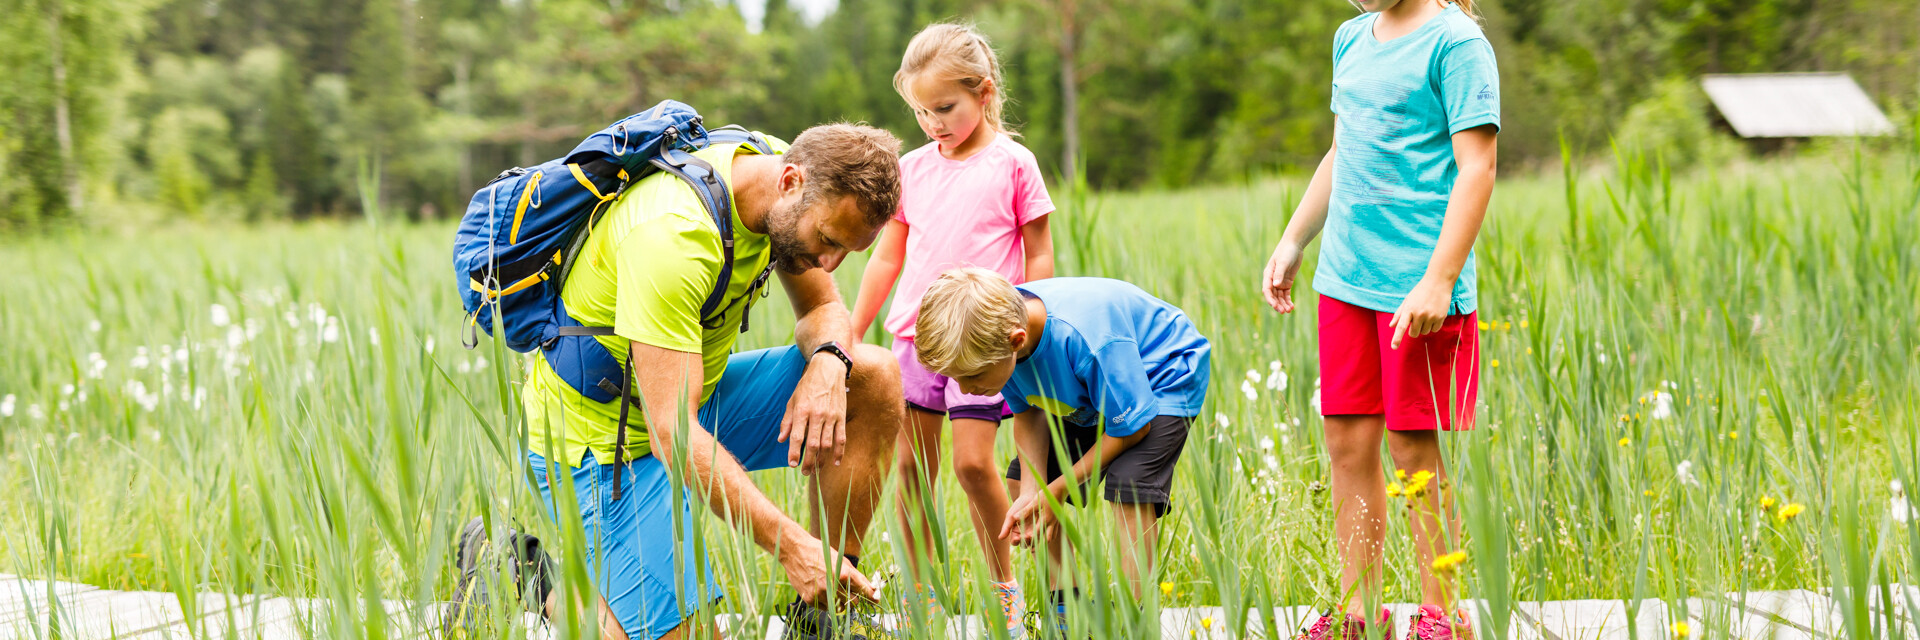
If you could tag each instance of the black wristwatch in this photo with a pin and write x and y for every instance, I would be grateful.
(835, 349)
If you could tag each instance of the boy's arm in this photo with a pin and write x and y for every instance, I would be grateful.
(1426, 307)
(1110, 447)
(1036, 239)
(882, 271)
(1027, 516)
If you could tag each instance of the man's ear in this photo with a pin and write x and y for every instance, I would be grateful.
(793, 179)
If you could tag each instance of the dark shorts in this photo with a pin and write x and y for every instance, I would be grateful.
(1140, 475)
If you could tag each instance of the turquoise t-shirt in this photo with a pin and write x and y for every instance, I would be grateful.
(1399, 103)
(1110, 353)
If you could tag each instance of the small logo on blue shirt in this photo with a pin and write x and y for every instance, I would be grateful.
(1486, 92)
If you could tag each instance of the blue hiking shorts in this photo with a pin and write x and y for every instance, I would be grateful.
(652, 582)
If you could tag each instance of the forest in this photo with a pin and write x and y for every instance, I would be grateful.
(128, 112)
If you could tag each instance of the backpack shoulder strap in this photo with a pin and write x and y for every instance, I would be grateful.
(712, 192)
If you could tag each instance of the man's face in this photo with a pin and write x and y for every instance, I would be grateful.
(816, 233)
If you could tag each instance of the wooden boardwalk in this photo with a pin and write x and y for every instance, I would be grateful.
(82, 612)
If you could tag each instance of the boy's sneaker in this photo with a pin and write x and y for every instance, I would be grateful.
(808, 622)
(1049, 625)
(1348, 627)
(1013, 608)
(482, 560)
(1433, 623)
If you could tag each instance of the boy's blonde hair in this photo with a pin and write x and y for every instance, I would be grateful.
(957, 52)
(966, 318)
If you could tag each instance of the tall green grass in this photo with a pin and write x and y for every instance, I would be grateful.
(287, 410)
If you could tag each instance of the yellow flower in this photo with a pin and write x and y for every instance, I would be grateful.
(1400, 474)
(1624, 441)
(1393, 490)
(1523, 323)
(1529, 350)
(1447, 563)
(1495, 363)
(1508, 326)
(1484, 326)
(1417, 485)
(1648, 493)
(1733, 435)
(1766, 503)
(1166, 588)
(1207, 623)
(1680, 630)
(1792, 509)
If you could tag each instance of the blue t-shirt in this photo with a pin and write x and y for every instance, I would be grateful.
(1110, 350)
(1399, 103)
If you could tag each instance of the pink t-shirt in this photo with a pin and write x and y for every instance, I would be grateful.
(964, 213)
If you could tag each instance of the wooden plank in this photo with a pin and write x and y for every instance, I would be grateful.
(22, 598)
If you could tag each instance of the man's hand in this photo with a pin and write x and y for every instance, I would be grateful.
(804, 559)
(816, 418)
(1276, 283)
(1424, 310)
(1028, 520)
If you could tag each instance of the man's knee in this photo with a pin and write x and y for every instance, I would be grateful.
(875, 370)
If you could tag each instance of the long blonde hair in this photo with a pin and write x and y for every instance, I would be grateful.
(957, 52)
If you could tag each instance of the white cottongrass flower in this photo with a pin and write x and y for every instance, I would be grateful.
(1902, 510)
(96, 365)
(1315, 401)
(1218, 418)
(373, 336)
(331, 333)
(140, 360)
(293, 319)
(1684, 473)
(480, 363)
(1253, 376)
(429, 345)
(6, 406)
(316, 314)
(1246, 387)
(93, 326)
(1266, 444)
(199, 397)
(236, 336)
(1277, 381)
(218, 313)
(1662, 405)
(1603, 358)
(66, 389)
(36, 412)
(463, 367)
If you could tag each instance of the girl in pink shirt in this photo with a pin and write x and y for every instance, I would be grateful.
(971, 197)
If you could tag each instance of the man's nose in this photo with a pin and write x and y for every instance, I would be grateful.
(832, 260)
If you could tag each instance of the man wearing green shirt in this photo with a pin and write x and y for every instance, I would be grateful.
(826, 405)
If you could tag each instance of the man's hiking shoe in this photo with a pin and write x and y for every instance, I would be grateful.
(1347, 627)
(1433, 623)
(808, 622)
(483, 561)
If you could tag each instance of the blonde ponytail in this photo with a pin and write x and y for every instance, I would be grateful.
(960, 53)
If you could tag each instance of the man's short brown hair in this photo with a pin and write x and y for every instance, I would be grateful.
(844, 159)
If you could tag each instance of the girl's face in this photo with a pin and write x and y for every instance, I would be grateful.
(947, 112)
(1374, 6)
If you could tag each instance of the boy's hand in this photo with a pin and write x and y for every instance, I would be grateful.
(1424, 310)
(1028, 520)
(1276, 283)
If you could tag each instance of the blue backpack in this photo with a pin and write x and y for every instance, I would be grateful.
(516, 242)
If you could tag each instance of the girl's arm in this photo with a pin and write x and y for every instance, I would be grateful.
(1475, 153)
(1036, 240)
(882, 271)
(1276, 283)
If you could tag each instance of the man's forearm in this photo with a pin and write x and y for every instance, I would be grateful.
(822, 324)
(725, 486)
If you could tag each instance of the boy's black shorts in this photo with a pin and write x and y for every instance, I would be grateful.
(1142, 474)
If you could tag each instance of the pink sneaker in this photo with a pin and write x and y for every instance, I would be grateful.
(1433, 623)
(1352, 628)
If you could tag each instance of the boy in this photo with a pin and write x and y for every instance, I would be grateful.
(1122, 372)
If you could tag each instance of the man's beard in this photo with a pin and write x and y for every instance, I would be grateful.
(783, 233)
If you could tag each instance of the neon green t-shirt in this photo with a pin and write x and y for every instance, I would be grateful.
(646, 268)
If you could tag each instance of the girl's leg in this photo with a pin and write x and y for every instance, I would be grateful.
(1360, 504)
(1138, 528)
(973, 466)
(1432, 519)
(919, 455)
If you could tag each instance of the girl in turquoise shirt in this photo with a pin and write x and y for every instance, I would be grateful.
(1400, 198)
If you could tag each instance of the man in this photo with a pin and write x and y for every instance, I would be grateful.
(646, 268)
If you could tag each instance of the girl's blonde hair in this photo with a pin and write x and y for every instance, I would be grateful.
(1466, 7)
(967, 318)
(957, 52)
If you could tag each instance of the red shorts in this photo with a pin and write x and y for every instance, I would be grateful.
(1430, 382)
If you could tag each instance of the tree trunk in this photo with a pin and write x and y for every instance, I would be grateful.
(62, 115)
(1069, 91)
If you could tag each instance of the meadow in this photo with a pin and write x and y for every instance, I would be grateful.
(1694, 384)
